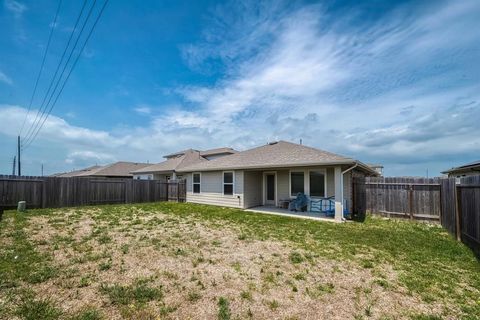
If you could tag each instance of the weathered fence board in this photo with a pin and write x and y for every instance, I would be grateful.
(448, 205)
(413, 198)
(468, 211)
(54, 192)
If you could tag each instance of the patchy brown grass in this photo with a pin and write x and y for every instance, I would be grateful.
(135, 263)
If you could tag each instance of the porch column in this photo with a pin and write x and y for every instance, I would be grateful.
(174, 176)
(338, 194)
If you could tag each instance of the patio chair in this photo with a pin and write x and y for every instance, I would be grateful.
(300, 203)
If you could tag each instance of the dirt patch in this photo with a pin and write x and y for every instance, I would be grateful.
(195, 264)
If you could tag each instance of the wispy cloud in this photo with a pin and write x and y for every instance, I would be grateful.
(143, 109)
(5, 79)
(398, 90)
(14, 6)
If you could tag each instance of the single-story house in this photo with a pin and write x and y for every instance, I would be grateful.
(167, 169)
(469, 169)
(119, 169)
(272, 175)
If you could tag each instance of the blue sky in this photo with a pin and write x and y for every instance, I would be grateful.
(396, 83)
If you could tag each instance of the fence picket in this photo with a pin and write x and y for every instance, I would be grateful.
(54, 192)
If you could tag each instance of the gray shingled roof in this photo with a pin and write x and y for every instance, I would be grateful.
(465, 167)
(273, 155)
(117, 169)
(215, 151)
(190, 157)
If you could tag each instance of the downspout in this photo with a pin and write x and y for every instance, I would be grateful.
(341, 184)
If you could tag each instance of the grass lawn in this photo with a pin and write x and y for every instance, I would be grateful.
(186, 261)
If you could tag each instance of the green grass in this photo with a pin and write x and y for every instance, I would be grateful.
(138, 292)
(31, 309)
(429, 261)
(19, 260)
(223, 309)
(426, 259)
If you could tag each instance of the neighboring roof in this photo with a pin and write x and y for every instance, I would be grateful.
(275, 155)
(472, 166)
(76, 172)
(117, 169)
(179, 153)
(190, 157)
(212, 152)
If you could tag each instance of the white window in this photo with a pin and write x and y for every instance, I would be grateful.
(317, 183)
(196, 182)
(228, 183)
(297, 182)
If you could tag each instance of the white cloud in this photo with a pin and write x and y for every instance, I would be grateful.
(14, 6)
(6, 79)
(391, 91)
(143, 109)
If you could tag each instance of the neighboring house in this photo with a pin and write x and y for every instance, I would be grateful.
(119, 169)
(167, 169)
(376, 167)
(273, 173)
(469, 169)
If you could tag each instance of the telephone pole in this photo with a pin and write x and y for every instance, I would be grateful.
(14, 165)
(19, 165)
(42, 169)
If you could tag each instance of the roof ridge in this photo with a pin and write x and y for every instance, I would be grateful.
(315, 149)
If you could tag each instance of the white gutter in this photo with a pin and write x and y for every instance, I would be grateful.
(341, 184)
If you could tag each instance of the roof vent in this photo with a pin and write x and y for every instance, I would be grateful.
(272, 143)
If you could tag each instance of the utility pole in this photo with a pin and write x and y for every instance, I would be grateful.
(19, 165)
(42, 169)
(14, 165)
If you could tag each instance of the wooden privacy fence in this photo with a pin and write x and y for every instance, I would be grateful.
(455, 203)
(54, 192)
(413, 198)
(461, 209)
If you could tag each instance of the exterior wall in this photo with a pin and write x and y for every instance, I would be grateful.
(249, 185)
(143, 176)
(461, 174)
(253, 189)
(283, 185)
(162, 177)
(211, 189)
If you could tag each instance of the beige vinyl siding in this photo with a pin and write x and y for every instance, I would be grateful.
(253, 185)
(161, 177)
(283, 184)
(211, 190)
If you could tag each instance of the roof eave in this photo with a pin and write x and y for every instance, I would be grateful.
(283, 165)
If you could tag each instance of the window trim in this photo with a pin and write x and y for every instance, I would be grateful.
(199, 183)
(324, 171)
(306, 181)
(290, 182)
(232, 183)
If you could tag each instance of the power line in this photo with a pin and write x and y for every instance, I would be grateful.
(70, 72)
(42, 65)
(35, 123)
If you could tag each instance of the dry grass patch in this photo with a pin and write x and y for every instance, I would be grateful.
(142, 262)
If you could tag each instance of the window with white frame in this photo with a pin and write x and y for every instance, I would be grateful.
(297, 182)
(317, 183)
(228, 183)
(196, 182)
